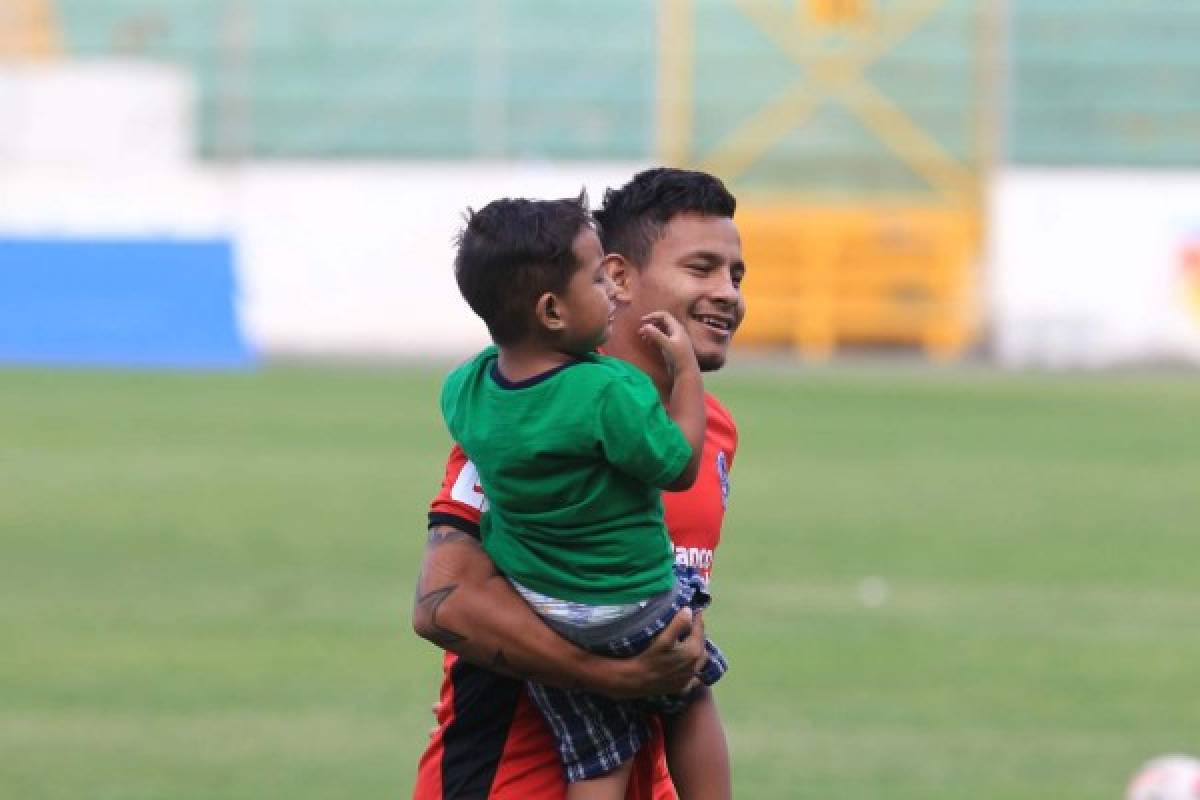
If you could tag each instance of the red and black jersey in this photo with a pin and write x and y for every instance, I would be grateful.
(491, 741)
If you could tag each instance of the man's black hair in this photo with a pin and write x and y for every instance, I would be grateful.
(512, 251)
(634, 217)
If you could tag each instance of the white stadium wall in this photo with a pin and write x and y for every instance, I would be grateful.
(1094, 268)
(129, 111)
(358, 259)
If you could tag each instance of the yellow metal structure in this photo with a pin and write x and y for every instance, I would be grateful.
(674, 80)
(28, 30)
(836, 12)
(823, 276)
(838, 77)
(900, 269)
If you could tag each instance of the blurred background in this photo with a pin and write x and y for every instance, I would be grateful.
(926, 175)
(965, 508)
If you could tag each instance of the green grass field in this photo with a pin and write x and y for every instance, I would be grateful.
(933, 585)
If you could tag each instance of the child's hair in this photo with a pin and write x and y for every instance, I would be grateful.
(511, 252)
(634, 216)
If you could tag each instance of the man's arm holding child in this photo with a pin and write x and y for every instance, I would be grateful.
(464, 605)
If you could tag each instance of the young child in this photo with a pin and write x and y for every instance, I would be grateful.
(572, 448)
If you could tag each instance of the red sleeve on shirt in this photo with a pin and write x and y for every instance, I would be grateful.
(722, 429)
(460, 501)
(694, 516)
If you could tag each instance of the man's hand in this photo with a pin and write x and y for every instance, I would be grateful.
(668, 666)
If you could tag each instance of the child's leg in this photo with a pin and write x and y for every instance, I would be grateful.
(696, 751)
(592, 733)
(609, 786)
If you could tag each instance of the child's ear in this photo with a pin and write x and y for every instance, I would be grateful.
(549, 312)
(621, 273)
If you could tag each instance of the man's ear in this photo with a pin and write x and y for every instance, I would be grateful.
(549, 312)
(622, 274)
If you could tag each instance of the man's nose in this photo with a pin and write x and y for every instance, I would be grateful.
(725, 290)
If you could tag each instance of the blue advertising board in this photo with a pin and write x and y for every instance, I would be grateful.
(120, 302)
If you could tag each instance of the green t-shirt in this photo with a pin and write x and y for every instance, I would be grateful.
(571, 462)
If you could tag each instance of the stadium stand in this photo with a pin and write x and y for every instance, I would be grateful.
(861, 134)
(1098, 84)
(1104, 84)
(28, 30)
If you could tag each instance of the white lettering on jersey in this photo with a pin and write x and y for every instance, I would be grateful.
(699, 557)
(467, 489)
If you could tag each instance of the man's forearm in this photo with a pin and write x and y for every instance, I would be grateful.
(464, 605)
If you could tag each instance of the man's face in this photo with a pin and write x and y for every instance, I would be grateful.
(695, 272)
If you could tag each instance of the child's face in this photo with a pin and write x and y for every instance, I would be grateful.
(588, 302)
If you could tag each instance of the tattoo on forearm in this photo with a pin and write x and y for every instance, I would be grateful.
(443, 534)
(429, 603)
(439, 535)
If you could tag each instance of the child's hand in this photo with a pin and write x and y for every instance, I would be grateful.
(672, 340)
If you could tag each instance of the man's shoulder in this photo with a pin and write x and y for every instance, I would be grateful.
(720, 428)
(717, 412)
